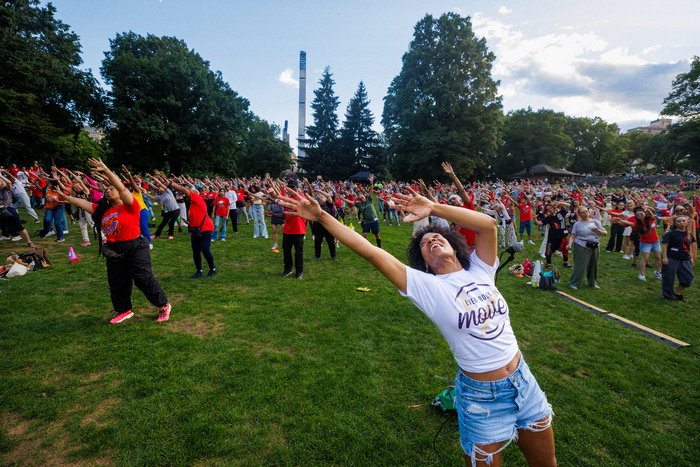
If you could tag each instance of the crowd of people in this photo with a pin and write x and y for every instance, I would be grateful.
(453, 254)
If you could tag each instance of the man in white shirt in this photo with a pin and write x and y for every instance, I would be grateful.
(232, 209)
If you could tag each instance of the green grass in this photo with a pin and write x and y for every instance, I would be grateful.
(253, 369)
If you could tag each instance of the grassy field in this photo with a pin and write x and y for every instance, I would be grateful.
(253, 369)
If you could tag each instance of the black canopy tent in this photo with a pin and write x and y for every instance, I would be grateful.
(360, 177)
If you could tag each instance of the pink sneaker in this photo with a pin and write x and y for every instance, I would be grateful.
(153, 237)
(164, 313)
(170, 237)
(85, 244)
(121, 317)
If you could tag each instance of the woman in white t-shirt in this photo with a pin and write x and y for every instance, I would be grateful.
(498, 399)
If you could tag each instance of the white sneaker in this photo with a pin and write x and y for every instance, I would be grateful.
(51, 232)
(16, 239)
(641, 278)
(530, 242)
(625, 257)
(4, 238)
(656, 273)
(274, 247)
(65, 232)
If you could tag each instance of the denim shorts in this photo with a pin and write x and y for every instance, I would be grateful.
(526, 225)
(493, 411)
(654, 247)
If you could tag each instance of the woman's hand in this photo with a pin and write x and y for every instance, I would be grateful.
(97, 164)
(302, 206)
(418, 206)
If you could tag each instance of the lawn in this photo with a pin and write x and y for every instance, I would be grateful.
(253, 369)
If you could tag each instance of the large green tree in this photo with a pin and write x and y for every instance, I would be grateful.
(170, 108)
(44, 96)
(443, 105)
(597, 146)
(359, 141)
(531, 138)
(264, 151)
(684, 102)
(323, 148)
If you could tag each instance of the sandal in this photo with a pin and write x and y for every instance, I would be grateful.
(31, 245)
(567, 265)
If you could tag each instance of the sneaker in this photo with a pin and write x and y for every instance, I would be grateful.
(85, 243)
(642, 278)
(658, 274)
(573, 287)
(65, 232)
(164, 314)
(608, 251)
(150, 246)
(72, 222)
(51, 232)
(595, 286)
(287, 273)
(679, 297)
(16, 239)
(274, 247)
(335, 258)
(198, 274)
(60, 240)
(179, 229)
(211, 273)
(223, 239)
(4, 238)
(37, 221)
(300, 275)
(626, 257)
(170, 237)
(121, 317)
(153, 237)
(530, 242)
(634, 265)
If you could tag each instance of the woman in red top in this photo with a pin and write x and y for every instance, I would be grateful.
(201, 229)
(221, 206)
(644, 222)
(128, 256)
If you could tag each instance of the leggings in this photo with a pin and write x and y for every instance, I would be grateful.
(169, 218)
(320, 233)
(202, 246)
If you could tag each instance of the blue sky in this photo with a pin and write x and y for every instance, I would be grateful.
(613, 59)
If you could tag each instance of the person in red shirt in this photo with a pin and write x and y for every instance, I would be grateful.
(293, 234)
(116, 217)
(221, 206)
(644, 222)
(201, 230)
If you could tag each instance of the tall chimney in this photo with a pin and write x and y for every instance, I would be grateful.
(302, 105)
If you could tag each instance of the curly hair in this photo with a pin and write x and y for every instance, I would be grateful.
(453, 237)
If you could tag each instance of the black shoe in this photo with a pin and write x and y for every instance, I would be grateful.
(179, 229)
(287, 273)
(634, 266)
(198, 274)
(679, 297)
(211, 273)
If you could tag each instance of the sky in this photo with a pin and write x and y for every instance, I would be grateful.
(613, 59)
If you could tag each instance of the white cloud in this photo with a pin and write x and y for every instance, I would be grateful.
(504, 11)
(578, 73)
(287, 77)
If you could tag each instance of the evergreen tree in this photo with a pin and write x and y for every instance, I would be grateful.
(44, 96)
(443, 106)
(170, 108)
(360, 141)
(323, 146)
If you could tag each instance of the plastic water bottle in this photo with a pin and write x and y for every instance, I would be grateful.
(536, 273)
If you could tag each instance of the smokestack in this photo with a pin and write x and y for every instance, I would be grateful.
(285, 133)
(302, 104)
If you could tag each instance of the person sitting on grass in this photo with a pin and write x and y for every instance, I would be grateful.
(458, 293)
(128, 256)
(677, 260)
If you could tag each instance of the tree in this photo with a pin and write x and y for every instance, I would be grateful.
(531, 138)
(663, 152)
(443, 105)
(264, 151)
(44, 96)
(170, 108)
(323, 146)
(597, 146)
(359, 141)
(684, 101)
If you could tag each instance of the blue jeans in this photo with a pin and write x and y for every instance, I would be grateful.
(394, 214)
(259, 229)
(58, 218)
(217, 220)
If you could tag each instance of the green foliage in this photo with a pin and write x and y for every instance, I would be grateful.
(171, 108)
(531, 138)
(664, 151)
(264, 151)
(684, 99)
(443, 105)
(44, 96)
(597, 146)
(359, 140)
(323, 146)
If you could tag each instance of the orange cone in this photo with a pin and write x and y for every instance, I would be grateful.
(72, 257)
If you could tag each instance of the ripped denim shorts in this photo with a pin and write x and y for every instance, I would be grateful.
(493, 411)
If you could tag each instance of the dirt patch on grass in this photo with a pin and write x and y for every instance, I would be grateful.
(101, 416)
(277, 437)
(198, 327)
